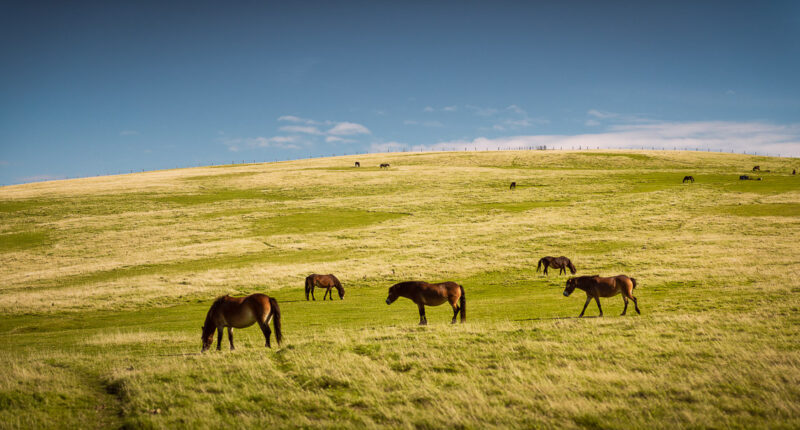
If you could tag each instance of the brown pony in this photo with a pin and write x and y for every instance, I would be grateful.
(358, 164)
(423, 293)
(323, 281)
(513, 186)
(756, 168)
(688, 179)
(241, 312)
(597, 286)
(384, 165)
(561, 263)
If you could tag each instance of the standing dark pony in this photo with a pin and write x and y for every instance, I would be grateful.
(323, 281)
(241, 312)
(513, 186)
(423, 293)
(384, 165)
(597, 286)
(358, 164)
(688, 179)
(561, 263)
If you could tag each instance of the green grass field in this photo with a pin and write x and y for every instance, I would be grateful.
(106, 282)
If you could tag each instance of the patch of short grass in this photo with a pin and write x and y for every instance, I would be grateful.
(318, 221)
(762, 209)
(23, 240)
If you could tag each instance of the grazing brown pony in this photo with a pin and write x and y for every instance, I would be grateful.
(423, 293)
(597, 286)
(358, 164)
(323, 281)
(241, 312)
(794, 171)
(384, 165)
(688, 179)
(513, 186)
(561, 263)
(756, 168)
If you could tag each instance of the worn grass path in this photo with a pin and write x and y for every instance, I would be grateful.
(104, 283)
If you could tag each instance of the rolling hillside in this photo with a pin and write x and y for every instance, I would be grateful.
(106, 281)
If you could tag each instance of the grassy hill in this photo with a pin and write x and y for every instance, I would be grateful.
(104, 284)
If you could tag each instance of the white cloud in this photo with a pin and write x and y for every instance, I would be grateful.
(283, 142)
(715, 135)
(450, 108)
(601, 114)
(300, 129)
(292, 118)
(428, 109)
(388, 147)
(516, 109)
(482, 111)
(348, 129)
(592, 123)
(4, 163)
(336, 139)
(128, 133)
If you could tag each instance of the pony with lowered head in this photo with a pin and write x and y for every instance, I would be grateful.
(241, 312)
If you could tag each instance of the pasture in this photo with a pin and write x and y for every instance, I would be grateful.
(106, 281)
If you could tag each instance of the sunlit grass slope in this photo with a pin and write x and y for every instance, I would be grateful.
(104, 283)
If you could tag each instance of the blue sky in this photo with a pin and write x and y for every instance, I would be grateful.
(91, 88)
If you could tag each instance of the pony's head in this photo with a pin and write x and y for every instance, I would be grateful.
(572, 268)
(571, 284)
(207, 337)
(393, 295)
(340, 289)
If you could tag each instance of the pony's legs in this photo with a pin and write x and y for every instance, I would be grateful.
(597, 299)
(230, 337)
(635, 304)
(455, 312)
(219, 338)
(265, 329)
(588, 299)
(422, 319)
(545, 268)
(326, 294)
(625, 299)
(312, 293)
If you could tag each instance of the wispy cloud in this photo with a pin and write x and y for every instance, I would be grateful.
(392, 146)
(481, 111)
(300, 129)
(128, 133)
(4, 163)
(452, 108)
(337, 139)
(597, 117)
(303, 132)
(704, 135)
(348, 129)
(283, 142)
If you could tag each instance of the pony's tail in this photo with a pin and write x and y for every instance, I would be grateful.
(539, 267)
(276, 319)
(634, 283)
(462, 304)
(308, 287)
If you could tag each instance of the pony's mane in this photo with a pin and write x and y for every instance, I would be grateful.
(218, 300)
